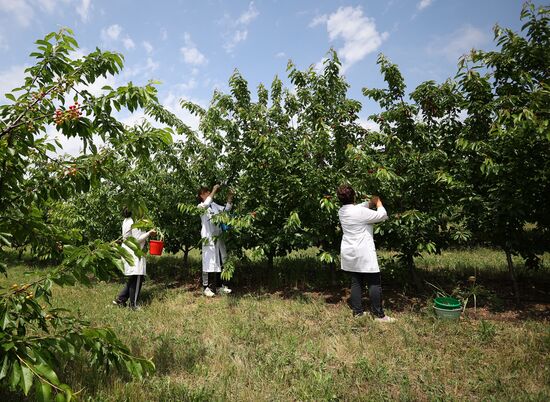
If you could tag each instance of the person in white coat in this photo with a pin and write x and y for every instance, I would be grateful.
(136, 271)
(214, 252)
(358, 253)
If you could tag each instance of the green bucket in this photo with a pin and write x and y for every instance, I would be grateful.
(447, 303)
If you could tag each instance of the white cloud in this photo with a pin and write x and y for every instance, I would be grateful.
(172, 103)
(96, 88)
(148, 47)
(163, 34)
(48, 5)
(459, 42)
(128, 43)
(192, 55)
(357, 31)
(11, 78)
(280, 55)
(319, 20)
(111, 33)
(21, 10)
(143, 70)
(318, 67)
(369, 125)
(69, 145)
(237, 31)
(248, 15)
(238, 36)
(151, 65)
(423, 4)
(188, 85)
(83, 9)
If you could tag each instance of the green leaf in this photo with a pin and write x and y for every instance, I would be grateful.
(5, 367)
(43, 392)
(68, 392)
(46, 371)
(26, 379)
(7, 346)
(6, 319)
(15, 374)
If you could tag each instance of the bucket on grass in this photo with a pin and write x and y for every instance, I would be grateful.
(447, 303)
(448, 314)
(155, 247)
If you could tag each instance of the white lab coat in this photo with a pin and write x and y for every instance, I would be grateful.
(138, 268)
(358, 253)
(213, 249)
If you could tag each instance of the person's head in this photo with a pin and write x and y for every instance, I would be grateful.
(126, 213)
(203, 193)
(346, 194)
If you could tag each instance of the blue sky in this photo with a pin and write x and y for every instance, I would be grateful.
(192, 47)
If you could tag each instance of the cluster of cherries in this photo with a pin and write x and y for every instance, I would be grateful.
(72, 113)
(39, 95)
(71, 171)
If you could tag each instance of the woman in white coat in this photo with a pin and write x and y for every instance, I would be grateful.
(358, 253)
(214, 253)
(134, 272)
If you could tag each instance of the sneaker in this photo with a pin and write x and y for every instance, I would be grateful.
(223, 289)
(119, 303)
(359, 315)
(386, 318)
(208, 292)
(135, 308)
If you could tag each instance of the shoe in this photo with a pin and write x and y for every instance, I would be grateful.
(386, 318)
(119, 303)
(223, 289)
(359, 315)
(135, 308)
(208, 292)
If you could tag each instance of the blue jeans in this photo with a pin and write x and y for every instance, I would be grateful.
(374, 281)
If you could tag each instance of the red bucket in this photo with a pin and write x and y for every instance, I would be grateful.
(155, 247)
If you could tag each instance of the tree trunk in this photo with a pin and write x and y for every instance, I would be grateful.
(409, 262)
(186, 257)
(512, 271)
(269, 271)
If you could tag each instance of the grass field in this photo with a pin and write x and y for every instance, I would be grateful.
(290, 335)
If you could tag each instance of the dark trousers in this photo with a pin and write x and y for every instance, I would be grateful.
(374, 281)
(131, 290)
(212, 280)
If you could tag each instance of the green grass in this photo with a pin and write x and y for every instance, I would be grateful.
(301, 343)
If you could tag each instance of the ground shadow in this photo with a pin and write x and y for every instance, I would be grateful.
(306, 279)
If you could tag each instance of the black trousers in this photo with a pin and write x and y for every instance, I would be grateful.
(374, 281)
(212, 280)
(131, 290)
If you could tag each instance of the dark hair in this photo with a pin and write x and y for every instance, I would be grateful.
(126, 212)
(202, 190)
(346, 194)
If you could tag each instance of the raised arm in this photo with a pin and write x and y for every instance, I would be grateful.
(370, 216)
(206, 203)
